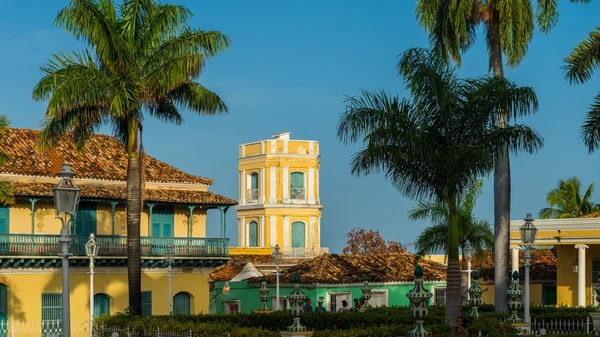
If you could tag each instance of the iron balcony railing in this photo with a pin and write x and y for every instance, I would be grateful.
(48, 245)
(253, 194)
(297, 193)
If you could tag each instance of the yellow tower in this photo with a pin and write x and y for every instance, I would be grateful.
(279, 195)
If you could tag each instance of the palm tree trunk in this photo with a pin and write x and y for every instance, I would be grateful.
(453, 287)
(501, 183)
(134, 208)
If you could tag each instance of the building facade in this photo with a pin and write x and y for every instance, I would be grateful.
(174, 213)
(279, 200)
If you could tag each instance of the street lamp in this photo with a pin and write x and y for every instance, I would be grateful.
(528, 232)
(66, 199)
(91, 250)
(468, 253)
(277, 256)
(226, 288)
(170, 256)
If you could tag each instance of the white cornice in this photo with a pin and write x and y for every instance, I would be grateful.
(570, 224)
(87, 181)
(98, 270)
(250, 207)
(277, 155)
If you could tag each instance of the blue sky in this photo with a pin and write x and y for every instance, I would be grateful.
(289, 68)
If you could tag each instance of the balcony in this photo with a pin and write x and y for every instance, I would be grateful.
(48, 245)
(252, 195)
(297, 193)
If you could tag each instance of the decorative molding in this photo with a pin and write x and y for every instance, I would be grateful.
(311, 185)
(318, 188)
(273, 146)
(273, 229)
(243, 231)
(261, 231)
(261, 198)
(243, 150)
(272, 185)
(278, 155)
(262, 147)
(285, 146)
(311, 145)
(581, 246)
(319, 233)
(313, 221)
(286, 232)
(285, 184)
(568, 224)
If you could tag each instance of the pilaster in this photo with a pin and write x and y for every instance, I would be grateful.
(286, 232)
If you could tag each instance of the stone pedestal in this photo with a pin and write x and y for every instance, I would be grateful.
(296, 333)
(524, 328)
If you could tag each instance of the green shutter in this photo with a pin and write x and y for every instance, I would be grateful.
(181, 304)
(85, 222)
(101, 305)
(163, 220)
(298, 234)
(254, 180)
(4, 300)
(253, 234)
(297, 180)
(147, 303)
(4, 219)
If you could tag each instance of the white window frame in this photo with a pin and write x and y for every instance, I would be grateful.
(434, 291)
(281, 298)
(385, 296)
(228, 303)
(328, 299)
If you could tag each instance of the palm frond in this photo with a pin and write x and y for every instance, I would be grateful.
(197, 98)
(432, 240)
(547, 15)
(590, 130)
(584, 60)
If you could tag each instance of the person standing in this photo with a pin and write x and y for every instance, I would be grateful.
(320, 307)
(344, 306)
(307, 307)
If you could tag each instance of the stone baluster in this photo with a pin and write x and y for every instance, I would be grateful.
(264, 295)
(475, 293)
(366, 294)
(515, 299)
(419, 301)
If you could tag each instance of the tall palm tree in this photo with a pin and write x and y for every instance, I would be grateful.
(566, 200)
(140, 58)
(6, 192)
(435, 144)
(470, 228)
(508, 27)
(581, 64)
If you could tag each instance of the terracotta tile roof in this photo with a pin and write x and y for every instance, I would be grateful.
(103, 158)
(168, 195)
(543, 265)
(593, 215)
(341, 268)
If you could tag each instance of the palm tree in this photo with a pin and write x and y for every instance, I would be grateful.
(566, 200)
(470, 228)
(140, 58)
(508, 27)
(6, 192)
(437, 143)
(581, 65)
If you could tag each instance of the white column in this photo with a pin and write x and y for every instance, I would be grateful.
(313, 220)
(581, 274)
(243, 185)
(262, 147)
(515, 258)
(273, 229)
(243, 150)
(285, 184)
(272, 185)
(242, 232)
(273, 146)
(318, 184)
(261, 198)
(261, 231)
(285, 146)
(319, 234)
(286, 233)
(311, 185)
(311, 145)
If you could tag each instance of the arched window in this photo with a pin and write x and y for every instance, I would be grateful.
(297, 190)
(253, 190)
(101, 305)
(181, 304)
(253, 234)
(298, 234)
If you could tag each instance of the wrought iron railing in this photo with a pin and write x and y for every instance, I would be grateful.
(253, 194)
(297, 193)
(48, 245)
(543, 326)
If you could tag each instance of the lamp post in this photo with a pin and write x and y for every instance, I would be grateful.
(528, 232)
(468, 253)
(277, 256)
(66, 200)
(91, 250)
(170, 256)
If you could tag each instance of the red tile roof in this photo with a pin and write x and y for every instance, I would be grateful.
(103, 158)
(543, 265)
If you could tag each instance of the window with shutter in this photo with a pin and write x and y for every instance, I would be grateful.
(3, 303)
(4, 219)
(298, 234)
(147, 303)
(163, 219)
(181, 304)
(253, 234)
(101, 305)
(85, 222)
(297, 185)
(51, 314)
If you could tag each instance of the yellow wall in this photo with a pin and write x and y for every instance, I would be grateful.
(46, 223)
(536, 293)
(25, 290)
(250, 251)
(567, 280)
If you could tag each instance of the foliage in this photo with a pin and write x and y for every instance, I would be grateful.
(362, 241)
(566, 200)
(470, 228)
(7, 196)
(438, 142)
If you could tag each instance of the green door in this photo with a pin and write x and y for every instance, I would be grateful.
(181, 304)
(3, 310)
(549, 294)
(298, 235)
(101, 305)
(4, 229)
(253, 234)
(85, 223)
(163, 221)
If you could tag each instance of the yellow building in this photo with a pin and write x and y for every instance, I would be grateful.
(279, 199)
(175, 211)
(577, 244)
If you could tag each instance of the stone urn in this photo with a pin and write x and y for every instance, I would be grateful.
(297, 300)
(366, 294)
(264, 295)
(515, 299)
(475, 292)
(419, 305)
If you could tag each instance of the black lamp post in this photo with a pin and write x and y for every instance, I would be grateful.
(528, 232)
(66, 200)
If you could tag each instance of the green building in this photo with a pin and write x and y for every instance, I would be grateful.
(334, 277)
